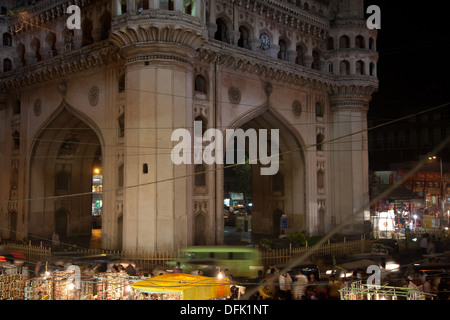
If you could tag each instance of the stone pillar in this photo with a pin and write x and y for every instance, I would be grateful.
(349, 157)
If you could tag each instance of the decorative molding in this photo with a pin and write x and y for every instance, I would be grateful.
(37, 107)
(93, 95)
(234, 94)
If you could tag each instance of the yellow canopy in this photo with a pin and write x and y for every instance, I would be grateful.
(191, 287)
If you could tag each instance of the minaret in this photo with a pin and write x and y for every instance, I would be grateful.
(158, 40)
(351, 58)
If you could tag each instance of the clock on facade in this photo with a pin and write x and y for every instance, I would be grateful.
(265, 41)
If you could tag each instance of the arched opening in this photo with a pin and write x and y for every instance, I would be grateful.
(222, 31)
(300, 59)
(61, 173)
(316, 64)
(50, 39)
(254, 197)
(86, 28)
(7, 65)
(36, 47)
(282, 53)
(344, 42)
(359, 67)
(200, 84)
(7, 39)
(244, 36)
(344, 67)
(359, 42)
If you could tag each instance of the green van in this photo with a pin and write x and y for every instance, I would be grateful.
(242, 262)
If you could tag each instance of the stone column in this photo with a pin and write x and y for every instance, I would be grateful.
(349, 158)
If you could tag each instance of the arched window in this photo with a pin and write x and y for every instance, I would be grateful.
(36, 46)
(69, 40)
(319, 142)
(50, 39)
(344, 67)
(319, 109)
(278, 184)
(188, 6)
(7, 65)
(282, 53)
(221, 32)
(200, 84)
(359, 67)
(300, 56)
(87, 32)
(200, 175)
(344, 42)
(7, 39)
(359, 42)
(330, 68)
(243, 39)
(320, 179)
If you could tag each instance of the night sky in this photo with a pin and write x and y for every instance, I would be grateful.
(414, 61)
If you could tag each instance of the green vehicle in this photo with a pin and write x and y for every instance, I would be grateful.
(242, 262)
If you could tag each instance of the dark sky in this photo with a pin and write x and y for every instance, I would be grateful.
(413, 71)
(414, 60)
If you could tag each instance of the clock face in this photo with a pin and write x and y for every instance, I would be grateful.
(265, 41)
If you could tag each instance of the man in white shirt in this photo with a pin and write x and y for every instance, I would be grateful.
(285, 281)
(299, 286)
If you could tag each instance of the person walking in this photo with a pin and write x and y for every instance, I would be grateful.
(285, 281)
(424, 244)
(299, 286)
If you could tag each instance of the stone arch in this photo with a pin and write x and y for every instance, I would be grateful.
(45, 165)
(344, 42)
(224, 25)
(246, 33)
(292, 167)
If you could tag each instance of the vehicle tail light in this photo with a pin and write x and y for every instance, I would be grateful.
(18, 255)
(2, 259)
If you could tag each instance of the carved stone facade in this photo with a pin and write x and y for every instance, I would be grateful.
(114, 91)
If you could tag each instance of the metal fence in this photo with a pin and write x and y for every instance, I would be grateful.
(147, 261)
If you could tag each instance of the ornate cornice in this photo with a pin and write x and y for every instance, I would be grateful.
(271, 69)
(158, 26)
(94, 56)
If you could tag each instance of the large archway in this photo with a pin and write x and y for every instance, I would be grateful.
(65, 155)
(271, 195)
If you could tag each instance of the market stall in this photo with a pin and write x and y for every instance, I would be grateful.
(183, 286)
(359, 291)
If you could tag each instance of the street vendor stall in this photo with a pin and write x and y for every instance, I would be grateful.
(182, 286)
(360, 291)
